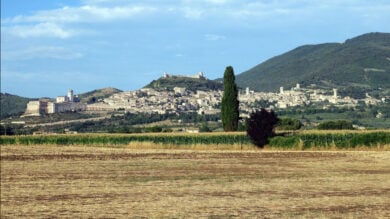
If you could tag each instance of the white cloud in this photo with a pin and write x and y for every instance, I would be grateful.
(61, 23)
(83, 14)
(52, 52)
(46, 77)
(97, 16)
(93, 11)
(217, 1)
(23, 76)
(192, 13)
(214, 37)
(94, 2)
(40, 30)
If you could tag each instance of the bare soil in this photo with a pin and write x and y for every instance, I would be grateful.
(93, 182)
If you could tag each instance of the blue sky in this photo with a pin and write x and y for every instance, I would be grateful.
(50, 46)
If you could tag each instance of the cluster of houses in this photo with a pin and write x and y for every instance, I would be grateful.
(148, 100)
(180, 100)
(298, 96)
(207, 102)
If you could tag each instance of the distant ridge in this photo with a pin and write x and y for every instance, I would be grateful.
(360, 64)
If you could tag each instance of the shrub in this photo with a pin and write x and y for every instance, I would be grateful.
(260, 126)
(284, 142)
(335, 125)
(167, 130)
(153, 129)
(241, 126)
(204, 128)
(6, 130)
(289, 124)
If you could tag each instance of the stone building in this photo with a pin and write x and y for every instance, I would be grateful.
(62, 104)
(36, 108)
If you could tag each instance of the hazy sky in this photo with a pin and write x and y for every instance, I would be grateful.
(49, 46)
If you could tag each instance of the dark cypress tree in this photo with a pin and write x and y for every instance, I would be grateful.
(229, 106)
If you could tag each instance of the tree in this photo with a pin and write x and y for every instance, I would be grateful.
(289, 124)
(229, 105)
(260, 126)
(335, 125)
(204, 128)
(6, 130)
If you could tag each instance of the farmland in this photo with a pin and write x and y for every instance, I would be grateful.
(50, 180)
(303, 140)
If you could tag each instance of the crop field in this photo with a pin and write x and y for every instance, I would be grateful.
(49, 181)
(302, 140)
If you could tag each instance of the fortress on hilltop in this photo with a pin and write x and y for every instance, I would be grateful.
(199, 75)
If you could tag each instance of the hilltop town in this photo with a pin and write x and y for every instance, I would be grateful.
(181, 100)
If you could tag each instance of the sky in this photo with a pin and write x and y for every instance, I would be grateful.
(50, 46)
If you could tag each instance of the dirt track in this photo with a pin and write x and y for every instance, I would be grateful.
(67, 122)
(49, 181)
(183, 155)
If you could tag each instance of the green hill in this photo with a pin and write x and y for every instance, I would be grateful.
(93, 96)
(360, 64)
(192, 84)
(12, 105)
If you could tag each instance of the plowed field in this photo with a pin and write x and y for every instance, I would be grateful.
(51, 181)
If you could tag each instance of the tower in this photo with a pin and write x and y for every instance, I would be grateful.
(281, 90)
(335, 93)
(70, 95)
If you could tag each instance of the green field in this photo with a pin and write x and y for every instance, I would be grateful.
(303, 140)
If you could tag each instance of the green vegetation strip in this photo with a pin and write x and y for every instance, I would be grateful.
(330, 140)
(125, 139)
(301, 141)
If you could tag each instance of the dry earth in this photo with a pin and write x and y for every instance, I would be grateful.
(51, 181)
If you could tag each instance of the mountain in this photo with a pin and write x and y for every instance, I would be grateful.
(93, 96)
(190, 83)
(360, 64)
(12, 105)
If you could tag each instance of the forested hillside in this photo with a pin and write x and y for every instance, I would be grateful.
(12, 105)
(360, 64)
